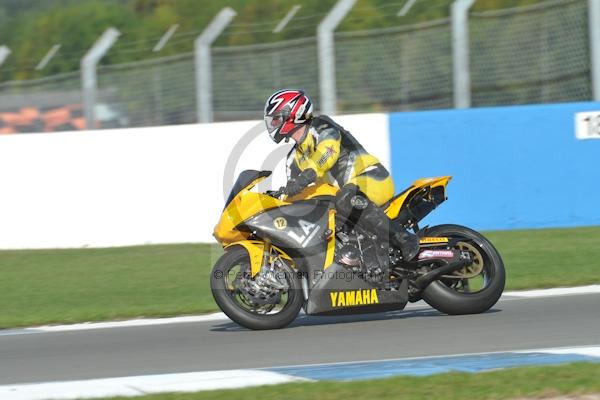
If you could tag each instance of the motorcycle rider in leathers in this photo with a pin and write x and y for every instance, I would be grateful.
(325, 150)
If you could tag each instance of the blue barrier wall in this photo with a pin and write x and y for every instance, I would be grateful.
(513, 167)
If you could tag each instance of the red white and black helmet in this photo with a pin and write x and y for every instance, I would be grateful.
(287, 111)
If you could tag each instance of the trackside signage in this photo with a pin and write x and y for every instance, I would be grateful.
(587, 125)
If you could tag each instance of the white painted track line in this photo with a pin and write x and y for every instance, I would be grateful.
(509, 295)
(591, 350)
(200, 381)
(132, 323)
(531, 294)
(142, 385)
(114, 324)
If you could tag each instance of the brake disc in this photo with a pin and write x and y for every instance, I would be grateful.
(266, 288)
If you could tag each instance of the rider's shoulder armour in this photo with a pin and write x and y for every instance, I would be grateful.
(323, 123)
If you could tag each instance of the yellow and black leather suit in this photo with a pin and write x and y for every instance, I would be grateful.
(327, 151)
(333, 153)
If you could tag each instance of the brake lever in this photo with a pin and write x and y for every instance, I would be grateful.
(281, 192)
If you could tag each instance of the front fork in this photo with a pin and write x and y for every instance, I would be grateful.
(268, 275)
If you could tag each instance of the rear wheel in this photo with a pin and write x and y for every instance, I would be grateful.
(475, 288)
(269, 304)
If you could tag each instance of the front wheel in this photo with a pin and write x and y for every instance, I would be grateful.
(473, 289)
(270, 303)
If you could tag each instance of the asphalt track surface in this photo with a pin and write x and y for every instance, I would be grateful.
(513, 324)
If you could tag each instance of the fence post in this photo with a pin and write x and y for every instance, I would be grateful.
(4, 53)
(327, 54)
(288, 17)
(204, 63)
(89, 83)
(48, 57)
(460, 53)
(165, 38)
(406, 8)
(594, 23)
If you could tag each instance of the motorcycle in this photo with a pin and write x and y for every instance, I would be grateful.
(283, 254)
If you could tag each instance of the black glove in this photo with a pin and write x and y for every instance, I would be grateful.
(297, 184)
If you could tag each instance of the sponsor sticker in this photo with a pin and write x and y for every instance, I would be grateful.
(280, 223)
(426, 254)
(359, 202)
(329, 151)
(354, 298)
(428, 240)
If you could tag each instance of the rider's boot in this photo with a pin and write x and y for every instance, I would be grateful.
(406, 241)
(356, 207)
(399, 237)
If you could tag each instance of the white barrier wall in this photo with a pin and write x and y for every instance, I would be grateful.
(138, 186)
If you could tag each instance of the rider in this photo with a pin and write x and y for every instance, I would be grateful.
(323, 148)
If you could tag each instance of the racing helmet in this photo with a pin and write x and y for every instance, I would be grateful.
(287, 111)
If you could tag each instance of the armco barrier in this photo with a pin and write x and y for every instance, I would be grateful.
(513, 167)
(136, 186)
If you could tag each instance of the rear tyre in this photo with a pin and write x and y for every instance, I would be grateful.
(449, 295)
(225, 280)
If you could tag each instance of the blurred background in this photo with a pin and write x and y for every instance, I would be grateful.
(99, 223)
(388, 56)
(496, 93)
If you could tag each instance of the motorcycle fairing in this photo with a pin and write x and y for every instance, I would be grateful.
(428, 190)
(324, 191)
(298, 230)
(339, 291)
(306, 233)
(256, 252)
(243, 205)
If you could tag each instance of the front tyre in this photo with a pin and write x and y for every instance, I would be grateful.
(474, 289)
(246, 303)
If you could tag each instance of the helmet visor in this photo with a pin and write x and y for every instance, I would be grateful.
(274, 122)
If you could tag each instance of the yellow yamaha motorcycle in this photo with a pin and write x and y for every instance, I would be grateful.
(286, 254)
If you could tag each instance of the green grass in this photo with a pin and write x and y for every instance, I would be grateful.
(549, 257)
(62, 286)
(514, 383)
(52, 286)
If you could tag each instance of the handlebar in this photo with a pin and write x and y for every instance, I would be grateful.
(276, 193)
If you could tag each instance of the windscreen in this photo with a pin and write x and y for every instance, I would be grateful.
(243, 180)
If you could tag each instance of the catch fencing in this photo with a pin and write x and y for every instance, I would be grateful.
(534, 54)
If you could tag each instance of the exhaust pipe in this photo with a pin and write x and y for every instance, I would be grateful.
(459, 259)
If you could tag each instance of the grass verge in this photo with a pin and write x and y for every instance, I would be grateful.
(64, 286)
(548, 258)
(527, 382)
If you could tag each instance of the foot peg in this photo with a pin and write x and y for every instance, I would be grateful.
(327, 234)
